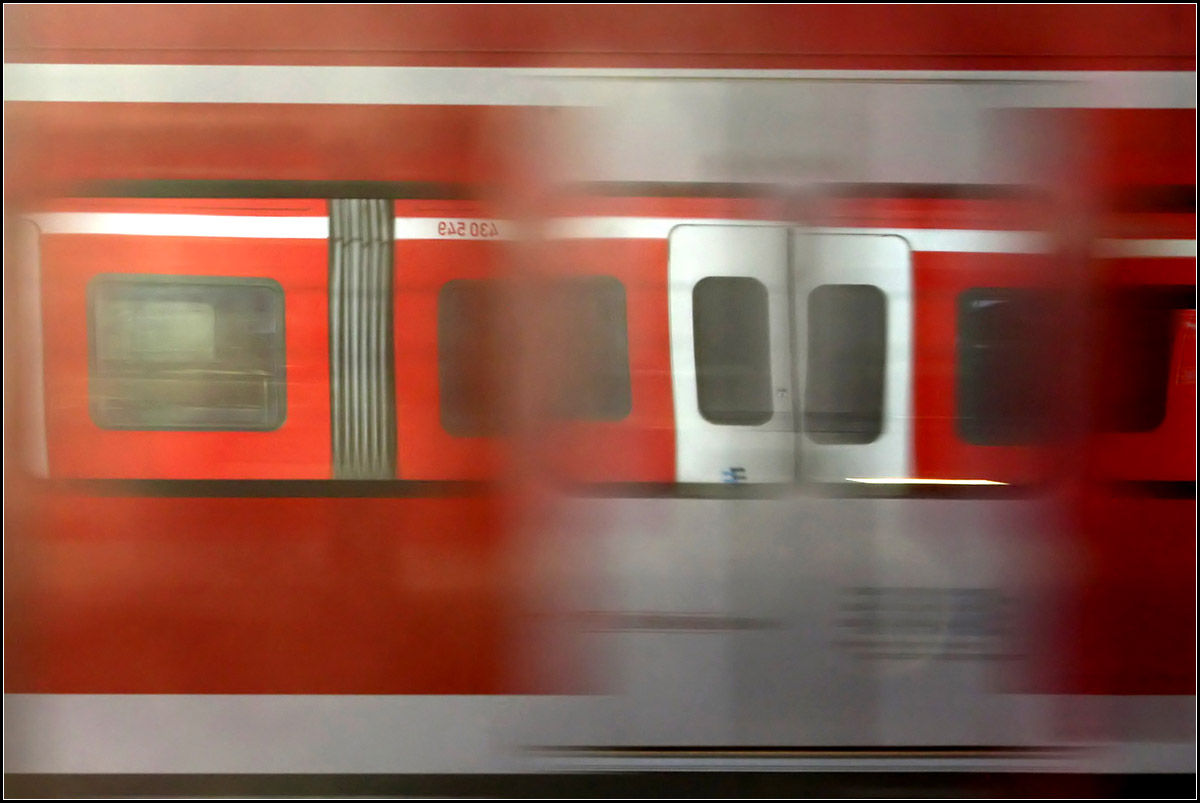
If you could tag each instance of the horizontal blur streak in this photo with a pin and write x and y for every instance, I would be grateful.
(885, 37)
(920, 481)
(716, 393)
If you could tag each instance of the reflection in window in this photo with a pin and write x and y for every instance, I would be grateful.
(175, 352)
(1138, 324)
(585, 351)
(593, 336)
(1006, 347)
(472, 358)
(847, 356)
(733, 350)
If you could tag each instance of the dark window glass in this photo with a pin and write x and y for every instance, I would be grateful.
(591, 321)
(176, 352)
(847, 354)
(586, 351)
(472, 356)
(1006, 347)
(733, 350)
(1135, 355)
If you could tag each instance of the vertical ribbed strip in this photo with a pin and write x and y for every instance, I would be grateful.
(360, 339)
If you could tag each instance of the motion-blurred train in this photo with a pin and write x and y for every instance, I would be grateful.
(744, 387)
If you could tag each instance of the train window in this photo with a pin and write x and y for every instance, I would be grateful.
(733, 350)
(1136, 343)
(1005, 347)
(591, 317)
(471, 358)
(186, 353)
(847, 355)
(589, 340)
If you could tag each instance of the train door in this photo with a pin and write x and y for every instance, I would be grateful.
(852, 347)
(731, 354)
(791, 354)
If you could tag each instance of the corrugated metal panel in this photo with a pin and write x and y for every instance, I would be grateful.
(360, 339)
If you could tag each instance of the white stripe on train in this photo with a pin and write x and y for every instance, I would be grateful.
(481, 86)
(966, 241)
(140, 224)
(973, 241)
(366, 733)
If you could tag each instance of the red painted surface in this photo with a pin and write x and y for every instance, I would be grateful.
(940, 452)
(1166, 453)
(418, 595)
(191, 595)
(1133, 629)
(1142, 147)
(299, 449)
(426, 451)
(637, 448)
(53, 147)
(1090, 37)
(280, 596)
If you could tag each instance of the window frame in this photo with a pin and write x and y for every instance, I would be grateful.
(275, 410)
(748, 418)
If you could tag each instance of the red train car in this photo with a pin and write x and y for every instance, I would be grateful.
(841, 323)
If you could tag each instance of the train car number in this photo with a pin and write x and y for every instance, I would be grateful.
(480, 229)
